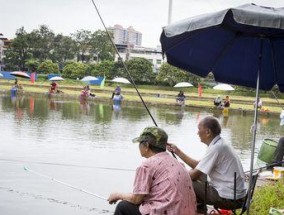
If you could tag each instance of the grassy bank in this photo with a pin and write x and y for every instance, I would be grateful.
(265, 197)
(153, 95)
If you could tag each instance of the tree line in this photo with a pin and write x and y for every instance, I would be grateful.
(80, 54)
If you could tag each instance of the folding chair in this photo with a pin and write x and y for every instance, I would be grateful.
(245, 203)
(253, 183)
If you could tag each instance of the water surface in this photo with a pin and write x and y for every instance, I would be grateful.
(89, 146)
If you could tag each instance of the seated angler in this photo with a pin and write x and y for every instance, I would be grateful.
(219, 164)
(161, 184)
(218, 101)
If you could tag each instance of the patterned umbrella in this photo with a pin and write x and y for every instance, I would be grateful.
(20, 74)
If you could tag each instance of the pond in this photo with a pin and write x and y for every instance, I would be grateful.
(89, 147)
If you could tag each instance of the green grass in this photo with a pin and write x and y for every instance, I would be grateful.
(267, 196)
(149, 94)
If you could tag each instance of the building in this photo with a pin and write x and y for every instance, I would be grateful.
(4, 43)
(154, 55)
(126, 36)
(128, 42)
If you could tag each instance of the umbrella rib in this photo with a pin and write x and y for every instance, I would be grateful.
(273, 61)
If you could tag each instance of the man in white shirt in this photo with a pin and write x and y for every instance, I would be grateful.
(220, 164)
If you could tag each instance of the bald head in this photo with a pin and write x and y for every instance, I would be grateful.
(212, 124)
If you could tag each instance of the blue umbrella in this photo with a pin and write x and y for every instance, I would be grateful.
(233, 44)
(241, 46)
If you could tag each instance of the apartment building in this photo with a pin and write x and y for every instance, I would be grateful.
(4, 42)
(126, 36)
(128, 42)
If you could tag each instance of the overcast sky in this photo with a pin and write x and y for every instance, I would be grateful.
(146, 16)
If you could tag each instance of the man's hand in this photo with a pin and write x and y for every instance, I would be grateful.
(113, 198)
(173, 148)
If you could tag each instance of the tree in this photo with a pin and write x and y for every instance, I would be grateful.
(42, 42)
(171, 75)
(48, 67)
(19, 51)
(83, 43)
(32, 64)
(75, 70)
(117, 70)
(101, 46)
(11, 60)
(64, 49)
(141, 70)
(102, 69)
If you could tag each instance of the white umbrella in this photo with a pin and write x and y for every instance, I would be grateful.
(225, 87)
(1, 76)
(56, 78)
(183, 84)
(89, 78)
(121, 80)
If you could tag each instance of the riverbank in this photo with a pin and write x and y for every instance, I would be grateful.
(157, 96)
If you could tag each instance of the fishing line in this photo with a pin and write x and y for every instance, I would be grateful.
(66, 165)
(277, 99)
(63, 183)
(21, 193)
(120, 58)
(129, 75)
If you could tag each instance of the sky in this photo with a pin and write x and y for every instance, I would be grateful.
(146, 16)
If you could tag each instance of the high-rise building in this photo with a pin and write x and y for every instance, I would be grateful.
(4, 43)
(128, 43)
(126, 36)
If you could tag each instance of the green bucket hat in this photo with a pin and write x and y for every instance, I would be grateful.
(156, 137)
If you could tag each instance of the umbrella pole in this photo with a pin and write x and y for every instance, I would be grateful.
(254, 130)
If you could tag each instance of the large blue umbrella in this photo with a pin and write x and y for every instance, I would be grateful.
(233, 44)
(241, 46)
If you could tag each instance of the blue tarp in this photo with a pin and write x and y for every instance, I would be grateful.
(6, 75)
(97, 82)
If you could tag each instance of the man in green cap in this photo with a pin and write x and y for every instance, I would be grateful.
(161, 184)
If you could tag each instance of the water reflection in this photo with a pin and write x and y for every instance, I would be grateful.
(84, 107)
(116, 108)
(69, 140)
(52, 104)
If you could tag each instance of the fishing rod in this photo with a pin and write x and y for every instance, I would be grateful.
(266, 166)
(277, 100)
(66, 165)
(127, 71)
(63, 183)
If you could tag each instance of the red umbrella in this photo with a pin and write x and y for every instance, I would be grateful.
(20, 74)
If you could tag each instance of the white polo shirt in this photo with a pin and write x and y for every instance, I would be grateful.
(220, 163)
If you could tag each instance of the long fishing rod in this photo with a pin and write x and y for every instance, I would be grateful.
(277, 99)
(61, 182)
(266, 166)
(120, 58)
(129, 75)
